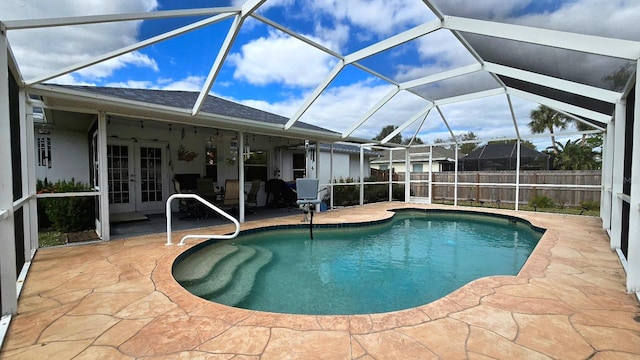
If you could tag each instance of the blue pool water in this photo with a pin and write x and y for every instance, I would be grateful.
(415, 258)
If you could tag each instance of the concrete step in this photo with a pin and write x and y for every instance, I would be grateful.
(198, 265)
(243, 279)
(222, 274)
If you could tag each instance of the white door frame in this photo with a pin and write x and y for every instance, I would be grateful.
(132, 177)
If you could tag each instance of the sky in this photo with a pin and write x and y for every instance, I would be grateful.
(270, 70)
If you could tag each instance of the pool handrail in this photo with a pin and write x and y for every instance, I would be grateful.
(209, 205)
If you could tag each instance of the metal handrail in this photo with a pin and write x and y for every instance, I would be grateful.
(209, 205)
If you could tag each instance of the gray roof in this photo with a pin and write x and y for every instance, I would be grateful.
(503, 151)
(186, 100)
(348, 149)
(439, 154)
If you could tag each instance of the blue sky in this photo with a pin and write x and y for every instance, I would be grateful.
(268, 69)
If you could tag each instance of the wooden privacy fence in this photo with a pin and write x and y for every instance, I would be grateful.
(566, 188)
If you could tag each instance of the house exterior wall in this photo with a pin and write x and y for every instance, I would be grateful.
(341, 166)
(69, 157)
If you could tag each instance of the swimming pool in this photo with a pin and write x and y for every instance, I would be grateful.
(410, 260)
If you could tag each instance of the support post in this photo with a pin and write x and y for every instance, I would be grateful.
(430, 174)
(390, 169)
(361, 175)
(455, 180)
(103, 177)
(8, 271)
(241, 177)
(30, 211)
(517, 198)
(407, 176)
(633, 253)
(607, 177)
(618, 177)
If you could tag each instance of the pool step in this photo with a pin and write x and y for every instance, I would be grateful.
(243, 279)
(198, 265)
(222, 273)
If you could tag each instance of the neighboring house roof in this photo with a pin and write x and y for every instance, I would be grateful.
(502, 151)
(186, 99)
(439, 154)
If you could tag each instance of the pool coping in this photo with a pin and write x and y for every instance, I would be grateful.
(468, 294)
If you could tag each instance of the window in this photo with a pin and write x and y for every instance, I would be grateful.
(44, 151)
(211, 161)
(384, 167)
(299, 165)
(416, 168)
(255, 166)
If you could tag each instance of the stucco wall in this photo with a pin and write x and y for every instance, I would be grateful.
(69, 157)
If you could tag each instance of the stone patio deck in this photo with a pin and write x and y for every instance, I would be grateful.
(118, 300)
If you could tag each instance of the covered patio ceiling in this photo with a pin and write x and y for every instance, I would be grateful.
(433, 69)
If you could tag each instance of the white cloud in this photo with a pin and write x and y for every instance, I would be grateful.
(379, 17)
(106, 68)
(278, 58)
(41, 51)
(613, 18)
(190, 83)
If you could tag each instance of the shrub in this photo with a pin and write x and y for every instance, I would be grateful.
(542, 202)
(67, 214)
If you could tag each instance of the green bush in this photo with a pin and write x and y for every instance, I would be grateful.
(542, 202)
(346, 195)
(68, 214)
(349, 195)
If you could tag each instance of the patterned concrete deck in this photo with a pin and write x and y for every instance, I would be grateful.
(118, 300)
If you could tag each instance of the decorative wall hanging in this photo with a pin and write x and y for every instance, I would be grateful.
(185, 155)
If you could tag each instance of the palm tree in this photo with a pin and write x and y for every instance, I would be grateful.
(580, 126)
(575, 156)
(544, 118)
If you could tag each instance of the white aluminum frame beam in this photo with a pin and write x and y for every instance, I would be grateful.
(465, 70)
(603, 118)
(376, 48)
(610, 47)
(415, 134)
(578, 119)
(371, 111)
(394, 41)
(414, 118)
(513, 116)
(555, 83)
(295, 35)
(315, 94)
(247, 9)
(446, 123)
(96, 19)
(470, 96)
(130, 48)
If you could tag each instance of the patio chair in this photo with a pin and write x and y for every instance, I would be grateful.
(307, 192)
(251, 199)
(191, 208)
(231, 194)
(206, 190)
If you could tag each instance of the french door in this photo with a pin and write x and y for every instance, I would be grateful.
(136, 173)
